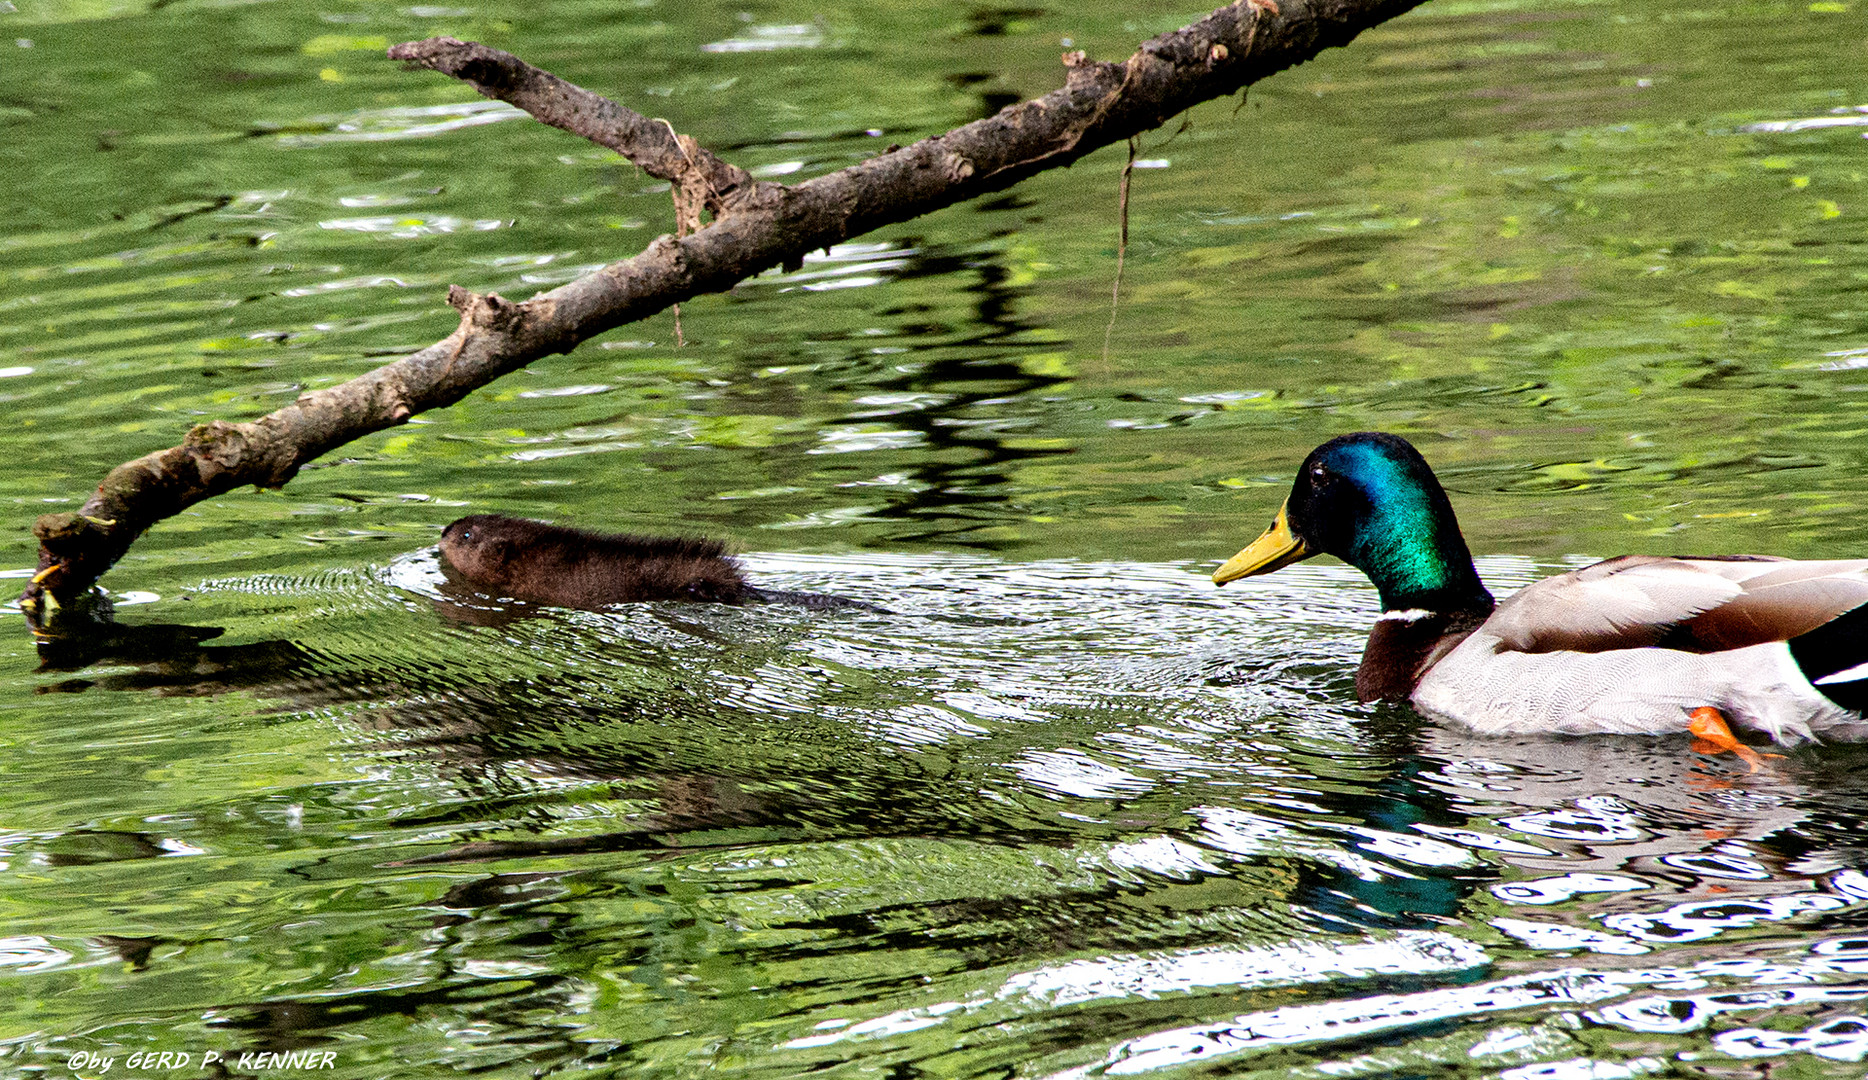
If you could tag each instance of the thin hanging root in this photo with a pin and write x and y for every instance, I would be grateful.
(691, 193)
(1122, 245)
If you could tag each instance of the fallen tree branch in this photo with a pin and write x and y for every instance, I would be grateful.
(756, 226)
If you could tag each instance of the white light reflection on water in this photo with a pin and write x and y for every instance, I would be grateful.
(400, 122)
(1856, 116)
(1335, 1021)
(768, 38)
(1584, 1069)
(30, 953)
(1844, 1038)
(1597, 818)
(1558, 889)
(1702, 919)
(410, 226)
(1150, 976)
(1475, 839)
(1162, 855)
(857, 438)
(366, 282)
(1731, 863)
(1248, 835)
(1071, 772)
(1673, 1015)
(1557, 937)
(1416, 850)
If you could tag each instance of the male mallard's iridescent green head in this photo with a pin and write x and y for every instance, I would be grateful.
(1370, 500)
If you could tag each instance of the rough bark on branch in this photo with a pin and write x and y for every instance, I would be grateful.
(756, 226)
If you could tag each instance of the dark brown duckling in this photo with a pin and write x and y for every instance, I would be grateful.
(542, 563)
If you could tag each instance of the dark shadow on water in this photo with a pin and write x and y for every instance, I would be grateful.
(169, 657)
(957, 487)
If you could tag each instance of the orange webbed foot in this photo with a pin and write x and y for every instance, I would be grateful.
(1711, 735)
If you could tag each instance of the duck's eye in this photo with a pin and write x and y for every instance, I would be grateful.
(466, 535)
(1318, 472)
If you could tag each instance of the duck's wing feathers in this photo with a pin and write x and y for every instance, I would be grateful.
(1783, 602)
(1695, 605)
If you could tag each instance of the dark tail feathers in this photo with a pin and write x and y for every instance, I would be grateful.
(1837, 647)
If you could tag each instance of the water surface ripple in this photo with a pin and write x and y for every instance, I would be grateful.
(1098, 820)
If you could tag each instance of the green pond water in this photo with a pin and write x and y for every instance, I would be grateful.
(1064, 809)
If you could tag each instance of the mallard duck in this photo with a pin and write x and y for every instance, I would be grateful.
(542, 563)
(1638, 644)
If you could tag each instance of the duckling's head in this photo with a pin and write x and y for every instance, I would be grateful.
(1370, 500)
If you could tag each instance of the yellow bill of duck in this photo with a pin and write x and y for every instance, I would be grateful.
(1276, 549)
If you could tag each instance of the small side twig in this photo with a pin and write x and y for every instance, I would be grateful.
(651, 144)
